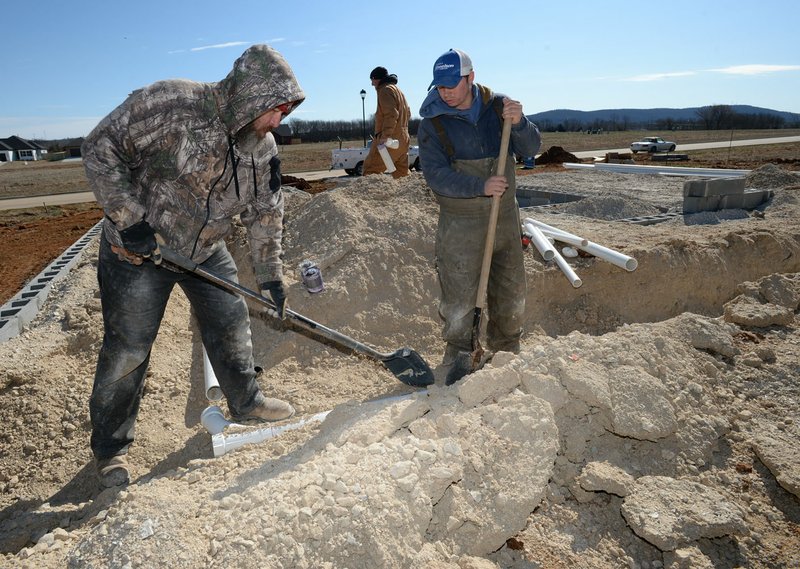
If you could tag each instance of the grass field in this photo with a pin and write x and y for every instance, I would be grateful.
(19, 179)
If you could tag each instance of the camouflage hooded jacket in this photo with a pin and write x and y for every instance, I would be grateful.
(169, 154)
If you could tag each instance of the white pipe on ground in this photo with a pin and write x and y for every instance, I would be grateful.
(538, 238)
(572, 277)
(213, 390)
(660, 170)
(216, 423)
(609, 255)
(549, 229)
(613, 257)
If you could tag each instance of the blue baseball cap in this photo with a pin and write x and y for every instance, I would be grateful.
(450, 68)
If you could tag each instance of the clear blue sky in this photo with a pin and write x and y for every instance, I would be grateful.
(65, 65)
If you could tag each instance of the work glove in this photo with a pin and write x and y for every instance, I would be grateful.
(140, 239)
(275, 174)
(278, 294)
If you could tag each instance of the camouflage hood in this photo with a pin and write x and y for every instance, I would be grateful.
(259, 81)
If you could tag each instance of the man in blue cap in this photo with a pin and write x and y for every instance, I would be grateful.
(459, 144)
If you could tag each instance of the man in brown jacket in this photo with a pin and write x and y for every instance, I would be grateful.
(391, 121)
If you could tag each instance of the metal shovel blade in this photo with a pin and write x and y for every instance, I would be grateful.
(409, 367)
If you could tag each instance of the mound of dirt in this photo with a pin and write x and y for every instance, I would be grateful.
(556, 155)
(649, 420)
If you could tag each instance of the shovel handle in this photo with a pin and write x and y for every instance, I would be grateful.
(293, 318)
(493, 215)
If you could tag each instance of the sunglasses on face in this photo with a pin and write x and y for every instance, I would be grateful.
(284, 109)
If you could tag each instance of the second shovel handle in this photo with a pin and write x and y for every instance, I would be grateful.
(493, 215)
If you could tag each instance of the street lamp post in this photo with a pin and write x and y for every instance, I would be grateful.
(363, 117)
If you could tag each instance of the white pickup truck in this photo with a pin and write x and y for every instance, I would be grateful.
(352, 159)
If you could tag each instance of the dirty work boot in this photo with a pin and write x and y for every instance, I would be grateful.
(112, 471)
(444, 369)
(267, 409)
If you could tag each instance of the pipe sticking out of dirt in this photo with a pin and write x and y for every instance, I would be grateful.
(215, 423)
(213, 390)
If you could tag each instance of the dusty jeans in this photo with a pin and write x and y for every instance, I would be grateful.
(134, 299)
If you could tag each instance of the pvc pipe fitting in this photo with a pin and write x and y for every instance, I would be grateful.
(571, 275)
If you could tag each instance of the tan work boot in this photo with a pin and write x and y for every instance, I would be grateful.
(113, 471)
(268, 409)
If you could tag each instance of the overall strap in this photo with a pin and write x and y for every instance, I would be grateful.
(485, 94)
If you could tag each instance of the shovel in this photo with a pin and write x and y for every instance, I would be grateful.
(467, 362)
(406, 364)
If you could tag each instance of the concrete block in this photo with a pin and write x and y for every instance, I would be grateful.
(694, 188)
(754, 198)
(732, 201)
(713, 187)
(724, 186)
(697, 204)
(9, 327)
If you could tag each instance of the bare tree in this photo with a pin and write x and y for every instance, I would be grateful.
(716, 117)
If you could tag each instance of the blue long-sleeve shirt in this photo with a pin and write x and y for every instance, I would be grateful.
(474, 133)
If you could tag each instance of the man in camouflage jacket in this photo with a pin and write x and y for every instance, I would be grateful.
(182, 159)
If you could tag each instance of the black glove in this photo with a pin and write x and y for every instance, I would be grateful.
(278, 294)
(140, 239)
(275, 174)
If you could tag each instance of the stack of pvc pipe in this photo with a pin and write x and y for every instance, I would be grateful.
(541, 233)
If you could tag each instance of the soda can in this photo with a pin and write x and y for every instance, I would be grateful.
(311, 277)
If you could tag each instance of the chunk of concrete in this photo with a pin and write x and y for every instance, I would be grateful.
(779, 452)
(604, 477)
(672, 513)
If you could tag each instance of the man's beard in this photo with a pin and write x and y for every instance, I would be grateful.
(247, 139)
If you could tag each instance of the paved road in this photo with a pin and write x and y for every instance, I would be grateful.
(81, 197)
(700, 145)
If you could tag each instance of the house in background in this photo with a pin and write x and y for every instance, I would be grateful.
(16, 148)
(285, 135)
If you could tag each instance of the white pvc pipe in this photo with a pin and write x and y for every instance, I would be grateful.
(609, 255)
(660, 170)
(572, 277)
(544, 246)
(213, 390)
(549, 229)
(613, 257)
(567, 238)
(216, 423)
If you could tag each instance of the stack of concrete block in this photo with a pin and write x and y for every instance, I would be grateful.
(24, 306)
(713, 194)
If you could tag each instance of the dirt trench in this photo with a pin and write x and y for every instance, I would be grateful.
(671, 278)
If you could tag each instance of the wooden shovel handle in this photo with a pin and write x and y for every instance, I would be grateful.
(493, 214)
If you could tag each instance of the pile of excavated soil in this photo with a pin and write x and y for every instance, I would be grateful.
(556, 155)
(649, 421)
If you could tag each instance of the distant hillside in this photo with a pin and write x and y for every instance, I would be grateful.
(624, 119)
